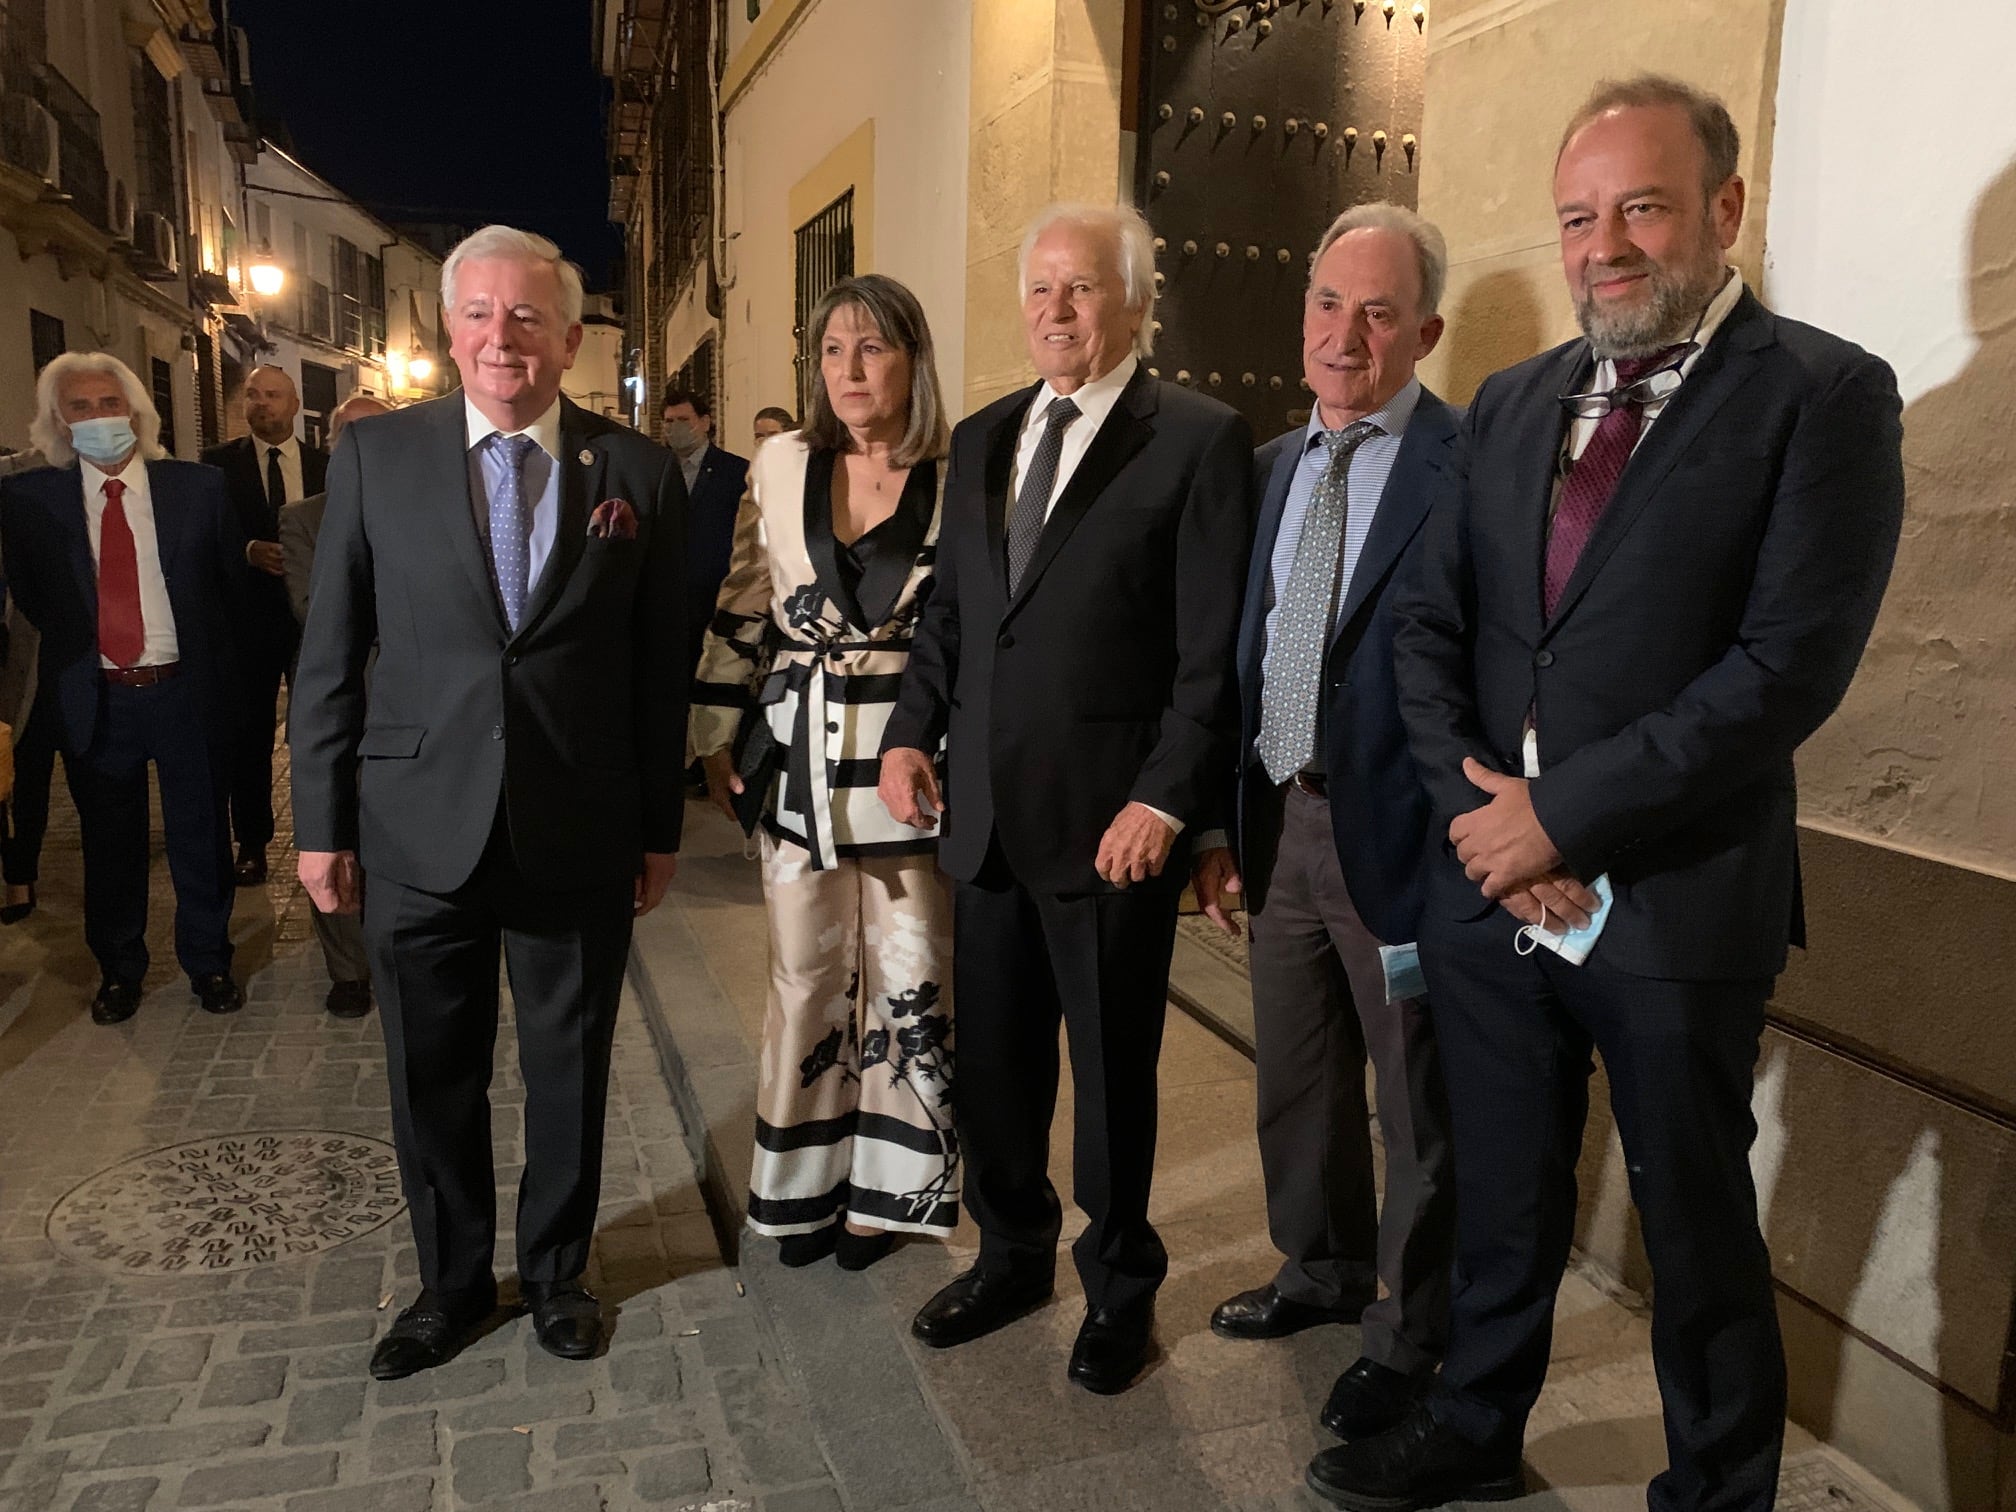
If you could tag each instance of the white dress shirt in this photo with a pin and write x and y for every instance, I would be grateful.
(290, 465)
(157, 615)
(1095, 401)
(542, 480)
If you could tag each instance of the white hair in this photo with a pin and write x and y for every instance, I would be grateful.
(46, 432)
(1431, 252)
(526, 246)
(1134, 242)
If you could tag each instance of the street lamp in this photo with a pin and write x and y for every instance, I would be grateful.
(420, 365)
(268, 277)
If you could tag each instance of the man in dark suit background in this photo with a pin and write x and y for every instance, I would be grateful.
(1076, 660)
(127, 562)
(1331, 823)
(715, 480)
(516, 560)
(341, 936)
(1651, 582)
(264, 471)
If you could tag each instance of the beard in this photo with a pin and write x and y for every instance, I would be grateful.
(1678, 295)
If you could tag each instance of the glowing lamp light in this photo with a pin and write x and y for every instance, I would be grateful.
(268, 277)
(420, 366)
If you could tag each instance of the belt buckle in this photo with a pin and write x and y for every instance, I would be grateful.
(1311, 783)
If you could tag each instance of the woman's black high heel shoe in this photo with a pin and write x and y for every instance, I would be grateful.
(856, 1252)
(14, 913)
(795, 1250)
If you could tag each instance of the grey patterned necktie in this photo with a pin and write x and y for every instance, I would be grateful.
(1032, 505)
(511, 526)
(1294, 685)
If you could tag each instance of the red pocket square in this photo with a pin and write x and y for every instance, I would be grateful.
(613, 520)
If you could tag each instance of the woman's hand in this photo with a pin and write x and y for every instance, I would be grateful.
(722, 782)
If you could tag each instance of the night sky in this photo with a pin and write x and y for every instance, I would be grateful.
(460, 110)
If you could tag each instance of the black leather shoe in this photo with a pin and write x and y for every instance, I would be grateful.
(856, 1252)
(566, 1317)
(1368, 1399)
(251, 868)
(1264, 1313)
(217, 992)
(428, 1333)
(348, 1000)
(14, 913)
(116, 1002)
(1113, 1345)
(978, 1303)
(1419, 1464)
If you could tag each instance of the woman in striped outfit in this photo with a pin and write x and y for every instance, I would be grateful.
(832, 563)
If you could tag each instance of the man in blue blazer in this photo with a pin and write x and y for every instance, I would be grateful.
(1328, 828)
(127, 562)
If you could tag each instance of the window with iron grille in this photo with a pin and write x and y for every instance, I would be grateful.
(374, 308)
(315, 309)
(153, 141)
(45, 338)
(163, 387)
(825, 256)
(209, 388)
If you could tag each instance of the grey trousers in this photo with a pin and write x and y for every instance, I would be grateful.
(1319, 1009)
(341, 937)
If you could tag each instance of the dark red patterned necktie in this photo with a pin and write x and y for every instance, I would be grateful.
(122, 634)
(1592, 478)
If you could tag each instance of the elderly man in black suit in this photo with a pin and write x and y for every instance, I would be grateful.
(1075, 659)
(1652, 581)
(516, 561)
(265, 471)
(128, 563)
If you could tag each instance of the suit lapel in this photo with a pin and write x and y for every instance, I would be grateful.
(71, 521)
(1000, 471)
(1403, 505)
(1125, 432)
(822, 549)
(445, 479)
(168, 522)
(577, 481)
(1260, 564)
(1721, 370)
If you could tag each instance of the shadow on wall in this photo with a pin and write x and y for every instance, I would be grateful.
(1496, 323)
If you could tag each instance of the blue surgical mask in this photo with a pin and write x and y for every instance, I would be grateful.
(103, 441)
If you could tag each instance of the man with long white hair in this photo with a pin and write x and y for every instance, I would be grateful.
(517, 563)
(127, 560)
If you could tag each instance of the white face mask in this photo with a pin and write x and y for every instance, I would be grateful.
(684, 437)
(105, 440)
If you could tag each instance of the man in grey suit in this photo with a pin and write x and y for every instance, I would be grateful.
(340, 935)
(517, 562)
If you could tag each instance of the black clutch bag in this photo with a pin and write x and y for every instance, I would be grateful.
(758, 755)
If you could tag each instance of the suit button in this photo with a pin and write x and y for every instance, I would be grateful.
(496, 732)
(511, 660)
(1005, 640)
(832, 727)
(1543, 659)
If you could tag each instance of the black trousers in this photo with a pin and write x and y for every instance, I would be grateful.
(1021, 961)
(264, 658)
(24, 818)
(434, 966)
(1516, 1035)
(1319, 1009)
(163, 724)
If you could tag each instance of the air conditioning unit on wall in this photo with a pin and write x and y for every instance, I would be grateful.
(156, 244)
(29, 130)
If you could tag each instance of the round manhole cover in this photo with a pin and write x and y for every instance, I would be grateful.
(228, 1203)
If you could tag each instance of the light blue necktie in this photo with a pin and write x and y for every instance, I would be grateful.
(511, 527)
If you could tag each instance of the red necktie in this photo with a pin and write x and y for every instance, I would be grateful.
(1592, 479)
(122, 634)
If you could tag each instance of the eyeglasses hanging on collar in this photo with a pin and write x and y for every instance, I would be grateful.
(1647, 388)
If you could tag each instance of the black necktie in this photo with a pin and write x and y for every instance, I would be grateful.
(1032, 505)
(276, 485)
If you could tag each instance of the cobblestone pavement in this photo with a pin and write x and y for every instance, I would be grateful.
(236, 1384)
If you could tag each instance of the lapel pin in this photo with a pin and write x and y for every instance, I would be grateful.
(585, 457)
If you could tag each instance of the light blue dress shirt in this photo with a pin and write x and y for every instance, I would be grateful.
(542, 484)
(1371, 465)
